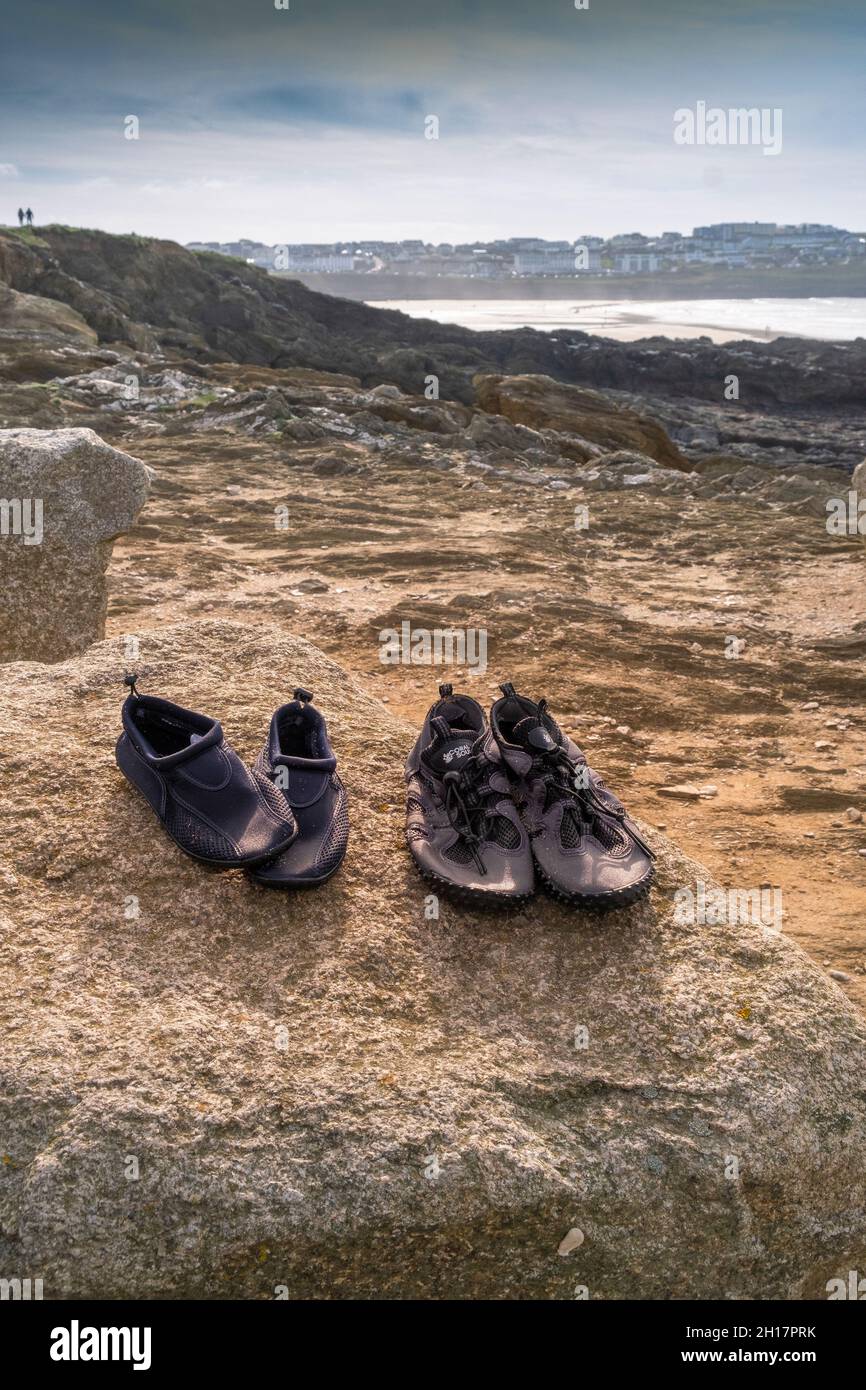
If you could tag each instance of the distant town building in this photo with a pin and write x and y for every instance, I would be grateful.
(317, 262)
(746, 245)
(637, 263)
(544, 262)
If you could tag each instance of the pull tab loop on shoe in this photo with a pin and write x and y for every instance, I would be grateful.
(446, 690)
(129, 679)
(507, 689)
(303, 695)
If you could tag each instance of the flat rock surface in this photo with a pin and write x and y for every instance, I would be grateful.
(212, 1089)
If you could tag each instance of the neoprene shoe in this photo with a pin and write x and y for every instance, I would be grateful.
(586, 848)
(207, 800)
(299, 763)
(461, 823)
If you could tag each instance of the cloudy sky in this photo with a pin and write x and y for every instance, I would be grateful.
(308, 123)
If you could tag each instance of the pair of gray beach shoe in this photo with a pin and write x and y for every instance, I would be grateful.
(495, 806)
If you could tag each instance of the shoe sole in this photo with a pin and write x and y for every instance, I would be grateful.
(473, 897)
(293, 882)
(245, 864)
(602, 902)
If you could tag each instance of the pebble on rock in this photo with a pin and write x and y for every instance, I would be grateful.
(572, 1241)
(685, 791)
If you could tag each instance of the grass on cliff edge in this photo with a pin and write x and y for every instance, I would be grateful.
(30, 234)
(24, 234)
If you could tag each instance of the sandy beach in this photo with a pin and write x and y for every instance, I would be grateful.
(721, 320)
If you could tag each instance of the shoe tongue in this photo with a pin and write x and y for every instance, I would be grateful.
(450, 748)
(450, 712)
(537, 735)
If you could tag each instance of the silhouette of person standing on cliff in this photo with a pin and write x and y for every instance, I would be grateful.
(29, 215)
(20, 217)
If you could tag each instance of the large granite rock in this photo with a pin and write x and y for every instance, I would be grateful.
(212, 1089)
(65, 495)
(542, 403)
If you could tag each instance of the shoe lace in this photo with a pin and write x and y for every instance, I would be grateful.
(568, 780)
(465, 807)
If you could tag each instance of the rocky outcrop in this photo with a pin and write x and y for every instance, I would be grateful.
(719, 481)
(795, 372)
(64, 496)
(212, 1089)
(32, 320)
(541, 403)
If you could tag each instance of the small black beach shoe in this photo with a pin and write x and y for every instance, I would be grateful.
(299, 763)
(207, 800)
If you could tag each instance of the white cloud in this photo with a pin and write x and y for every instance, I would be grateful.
(8, 171)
